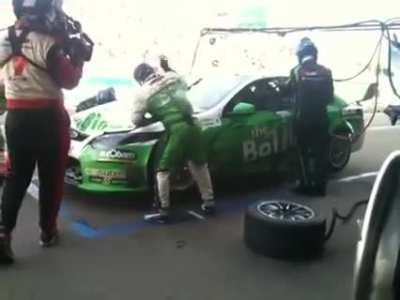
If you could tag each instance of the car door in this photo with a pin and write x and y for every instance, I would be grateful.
(249, 141)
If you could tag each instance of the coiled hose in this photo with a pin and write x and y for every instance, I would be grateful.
(345, 218)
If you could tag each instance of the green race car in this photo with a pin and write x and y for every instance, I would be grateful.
(246, 124)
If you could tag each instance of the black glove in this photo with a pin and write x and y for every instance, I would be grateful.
(165, 65)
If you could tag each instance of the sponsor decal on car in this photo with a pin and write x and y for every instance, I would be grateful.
(116, 155)
(263, 142)
(266, 141)
(106, 176)
(207, 123)
(93, 121)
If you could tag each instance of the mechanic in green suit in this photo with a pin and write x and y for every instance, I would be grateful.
(163, 96)
(312, 87)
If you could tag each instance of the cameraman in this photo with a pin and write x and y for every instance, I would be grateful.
(35, 69)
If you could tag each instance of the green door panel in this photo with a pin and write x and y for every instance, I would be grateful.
(248, 143)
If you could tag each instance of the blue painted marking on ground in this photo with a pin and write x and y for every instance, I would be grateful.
(85, 230)
(125, 229)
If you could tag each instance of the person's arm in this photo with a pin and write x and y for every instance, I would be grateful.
(65, 72)
(291, 90)
(165, 64)
(2, 95)
(329, 95)
(139, 108)
(331, 88)
(180, 96)
(289, 87)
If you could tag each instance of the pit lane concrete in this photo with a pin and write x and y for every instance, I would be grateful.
(194, 260)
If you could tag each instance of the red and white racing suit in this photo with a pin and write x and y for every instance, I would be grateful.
(37, 124)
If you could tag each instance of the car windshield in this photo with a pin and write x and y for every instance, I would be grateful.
(209, 92)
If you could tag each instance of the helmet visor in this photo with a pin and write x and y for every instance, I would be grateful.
(307, 58)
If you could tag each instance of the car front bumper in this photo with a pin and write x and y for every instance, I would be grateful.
(100, 171)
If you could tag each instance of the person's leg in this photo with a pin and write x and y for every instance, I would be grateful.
(321, 147)
(195, 155)
(162, 198)
(303, 163)
(305, 157)
(22, 156)
(52, 164)
(201, 175)
(303, 166)
(16, 184)
(167, 158)
(163, 189)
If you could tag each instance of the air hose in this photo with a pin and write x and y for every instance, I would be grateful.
(344, 218)
(390, 74)
(377, 53)
(369, 123)
(378, 50)
(369, 63)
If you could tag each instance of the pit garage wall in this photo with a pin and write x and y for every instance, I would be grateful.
(137, 30)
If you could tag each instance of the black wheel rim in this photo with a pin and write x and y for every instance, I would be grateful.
(286, 211)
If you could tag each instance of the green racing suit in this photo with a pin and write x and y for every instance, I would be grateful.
(164, 98)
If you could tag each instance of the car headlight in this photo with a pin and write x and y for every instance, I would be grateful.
(112, 140)
(77, 136)
(352, 110)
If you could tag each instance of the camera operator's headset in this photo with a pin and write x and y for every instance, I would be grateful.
(73, 27)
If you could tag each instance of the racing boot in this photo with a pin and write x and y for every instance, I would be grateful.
(208, 207)
(6, 253)
(49, 239)
(162, 216)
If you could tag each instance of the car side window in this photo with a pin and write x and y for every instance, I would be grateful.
(264, 94)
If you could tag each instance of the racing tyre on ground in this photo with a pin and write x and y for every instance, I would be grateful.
(283, 229)
(339, 152)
